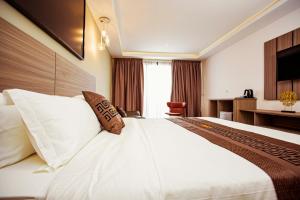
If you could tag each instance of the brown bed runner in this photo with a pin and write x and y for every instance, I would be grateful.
(279, 159)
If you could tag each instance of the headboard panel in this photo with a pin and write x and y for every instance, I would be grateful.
(24, 62)
(27, 64)
(70, 79)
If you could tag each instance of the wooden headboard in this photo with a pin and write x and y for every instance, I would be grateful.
(27, 64)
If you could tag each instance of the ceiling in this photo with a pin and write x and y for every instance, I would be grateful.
(189, 29)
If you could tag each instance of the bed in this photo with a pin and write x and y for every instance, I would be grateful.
(23, 182)
(156, 159)
(150, 159)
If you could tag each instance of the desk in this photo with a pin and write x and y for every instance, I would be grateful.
(289, 122)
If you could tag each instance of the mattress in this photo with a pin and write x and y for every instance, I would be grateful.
(22, 181)
(152, 159)
(157, 159)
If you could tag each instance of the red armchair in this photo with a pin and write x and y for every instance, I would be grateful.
(176, 108)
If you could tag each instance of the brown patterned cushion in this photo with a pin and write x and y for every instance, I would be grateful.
(105, 112)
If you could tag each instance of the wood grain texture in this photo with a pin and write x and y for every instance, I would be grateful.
(262, 120)
(218, 105)
(285, 41)
(24, 62)
(296, 37)
(283, 86)
(296, 88)
(70, 79)
(277, 113)
(244, 104)
(27, 64)
(213, 110)
(224, 105)
(296, 41)
(270, 83)
(288, 122)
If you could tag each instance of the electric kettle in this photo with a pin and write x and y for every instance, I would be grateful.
(248, 93)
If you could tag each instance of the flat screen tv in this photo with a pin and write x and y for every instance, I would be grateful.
(63, 20)
(288, 64)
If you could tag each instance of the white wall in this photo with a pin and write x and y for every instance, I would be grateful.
(97, 63)
(241, 66)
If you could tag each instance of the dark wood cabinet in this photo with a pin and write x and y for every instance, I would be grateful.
(270, 70)
(235, 106)
(240, 104)
(218, 105)
(244, 111)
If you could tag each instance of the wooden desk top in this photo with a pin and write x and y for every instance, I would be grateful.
(231, 99)
(275, 113)
(224, 99)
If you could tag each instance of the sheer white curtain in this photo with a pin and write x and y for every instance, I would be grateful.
(157, 88)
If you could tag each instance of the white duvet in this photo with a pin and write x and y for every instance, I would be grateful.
(157, 159)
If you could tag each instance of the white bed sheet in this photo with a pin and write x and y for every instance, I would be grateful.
(157, 159)
(21, 181)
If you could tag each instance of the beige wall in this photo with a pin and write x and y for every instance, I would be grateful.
(241, 66)
(96, 62)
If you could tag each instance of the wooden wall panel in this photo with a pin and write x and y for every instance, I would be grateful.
(270, 70)
(27, 64)
(296, 88)
(296, 37)
(70, 79)
(273, 88)
(285, 41)
(296, 41)
(24, 62)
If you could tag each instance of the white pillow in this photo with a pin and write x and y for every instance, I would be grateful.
(58, 126)
(14, 143)
(79, 97)
(4, 100)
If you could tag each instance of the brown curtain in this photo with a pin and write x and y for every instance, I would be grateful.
(186, 85)
(128, 84)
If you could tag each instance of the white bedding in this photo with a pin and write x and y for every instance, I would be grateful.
(19, 180)
(157, 159)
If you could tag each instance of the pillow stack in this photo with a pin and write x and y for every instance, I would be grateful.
(58, 127)
(14, 142)
(54, 127)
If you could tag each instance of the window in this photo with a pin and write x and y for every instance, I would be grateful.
(157, 88)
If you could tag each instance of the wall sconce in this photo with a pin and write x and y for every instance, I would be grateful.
(104, 40)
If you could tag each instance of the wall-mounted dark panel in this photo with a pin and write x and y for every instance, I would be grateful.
(63, 20)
